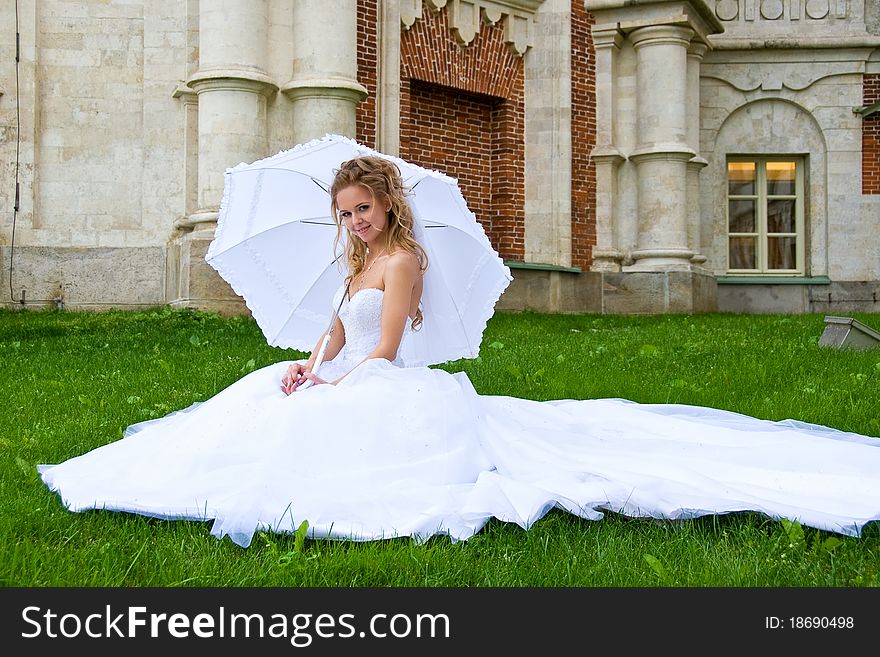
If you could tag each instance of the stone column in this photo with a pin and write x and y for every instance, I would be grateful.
(547, 119)
(388, 93)
(662, 153)
(696, 164)
(607, 40)
(324, 88)
(232, 87)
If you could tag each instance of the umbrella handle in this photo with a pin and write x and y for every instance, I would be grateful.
(318, 361)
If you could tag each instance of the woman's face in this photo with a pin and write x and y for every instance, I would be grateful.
(361, 213)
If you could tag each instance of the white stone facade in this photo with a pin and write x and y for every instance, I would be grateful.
(786, 77)
(683, 85)
(121, 116)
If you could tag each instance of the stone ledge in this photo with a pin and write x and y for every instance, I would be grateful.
(624, 293)
(773, 280)
(518, 264)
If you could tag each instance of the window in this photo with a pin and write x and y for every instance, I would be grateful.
(765, 215)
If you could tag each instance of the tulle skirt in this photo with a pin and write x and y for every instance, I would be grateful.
(394, 451)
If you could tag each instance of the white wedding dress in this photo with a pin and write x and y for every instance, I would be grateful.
(397, 451)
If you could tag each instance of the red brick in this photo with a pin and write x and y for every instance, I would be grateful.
(583, 136)
(871, 137)
(462, 113)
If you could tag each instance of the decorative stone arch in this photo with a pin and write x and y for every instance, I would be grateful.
(514, 16)
(765, 127)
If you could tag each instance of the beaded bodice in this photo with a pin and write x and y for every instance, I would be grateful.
(361, 316)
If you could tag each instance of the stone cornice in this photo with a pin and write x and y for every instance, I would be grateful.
(788, 43)
(467, 15)
(745, 72)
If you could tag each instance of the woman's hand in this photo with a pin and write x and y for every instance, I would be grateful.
(314, 378)
(294, 377)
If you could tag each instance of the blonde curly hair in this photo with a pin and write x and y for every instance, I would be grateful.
(382, 179)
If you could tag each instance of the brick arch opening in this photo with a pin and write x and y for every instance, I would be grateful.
(461, 111)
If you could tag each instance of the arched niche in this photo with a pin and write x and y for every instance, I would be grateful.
(769, 127)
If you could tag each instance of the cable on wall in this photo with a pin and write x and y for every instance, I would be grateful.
(58, 301)
(15, 203)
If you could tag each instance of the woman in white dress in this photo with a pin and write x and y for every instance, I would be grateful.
(367, 448)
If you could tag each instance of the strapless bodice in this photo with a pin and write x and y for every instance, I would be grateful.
(361, 316)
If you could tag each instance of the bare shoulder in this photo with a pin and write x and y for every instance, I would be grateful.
(402, 263)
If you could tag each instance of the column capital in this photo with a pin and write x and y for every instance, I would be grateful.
(232, 79)
(603, 154)
(631, 15)
(336, 88)
(669, 152)
(607, 35)
(654, 35)
(697, 49)
(201, 219)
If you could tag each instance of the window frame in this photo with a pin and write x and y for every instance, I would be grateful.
(762, 200)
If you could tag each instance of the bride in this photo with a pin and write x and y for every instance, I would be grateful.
(365, 448)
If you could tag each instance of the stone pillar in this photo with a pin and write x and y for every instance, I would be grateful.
(696, 164)
(232, 87)
(662, 153)
(548, 151)
(607, 256)
(388, 93)
(324, 88)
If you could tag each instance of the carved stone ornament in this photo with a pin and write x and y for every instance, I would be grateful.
(772, 10)
(465, 17)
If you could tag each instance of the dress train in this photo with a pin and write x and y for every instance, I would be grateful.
(413, 451)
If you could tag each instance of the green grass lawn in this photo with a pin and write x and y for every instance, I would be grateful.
(74, 381)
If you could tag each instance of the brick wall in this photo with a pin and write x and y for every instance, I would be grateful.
(583, 137)
(367, 62)
(871, 138)
(462, 113)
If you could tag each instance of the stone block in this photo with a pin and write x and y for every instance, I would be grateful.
(193, 283)
(633, 292)
(86, 278)
(845, 297)
(552, 292)
(763, 299)
(636, 293)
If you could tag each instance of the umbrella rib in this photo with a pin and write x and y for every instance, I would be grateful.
(458, 313)
(320, 183)
(307, 292)
(461, 322)
(310, 221)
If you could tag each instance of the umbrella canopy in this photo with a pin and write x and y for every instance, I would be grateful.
(274, 246)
